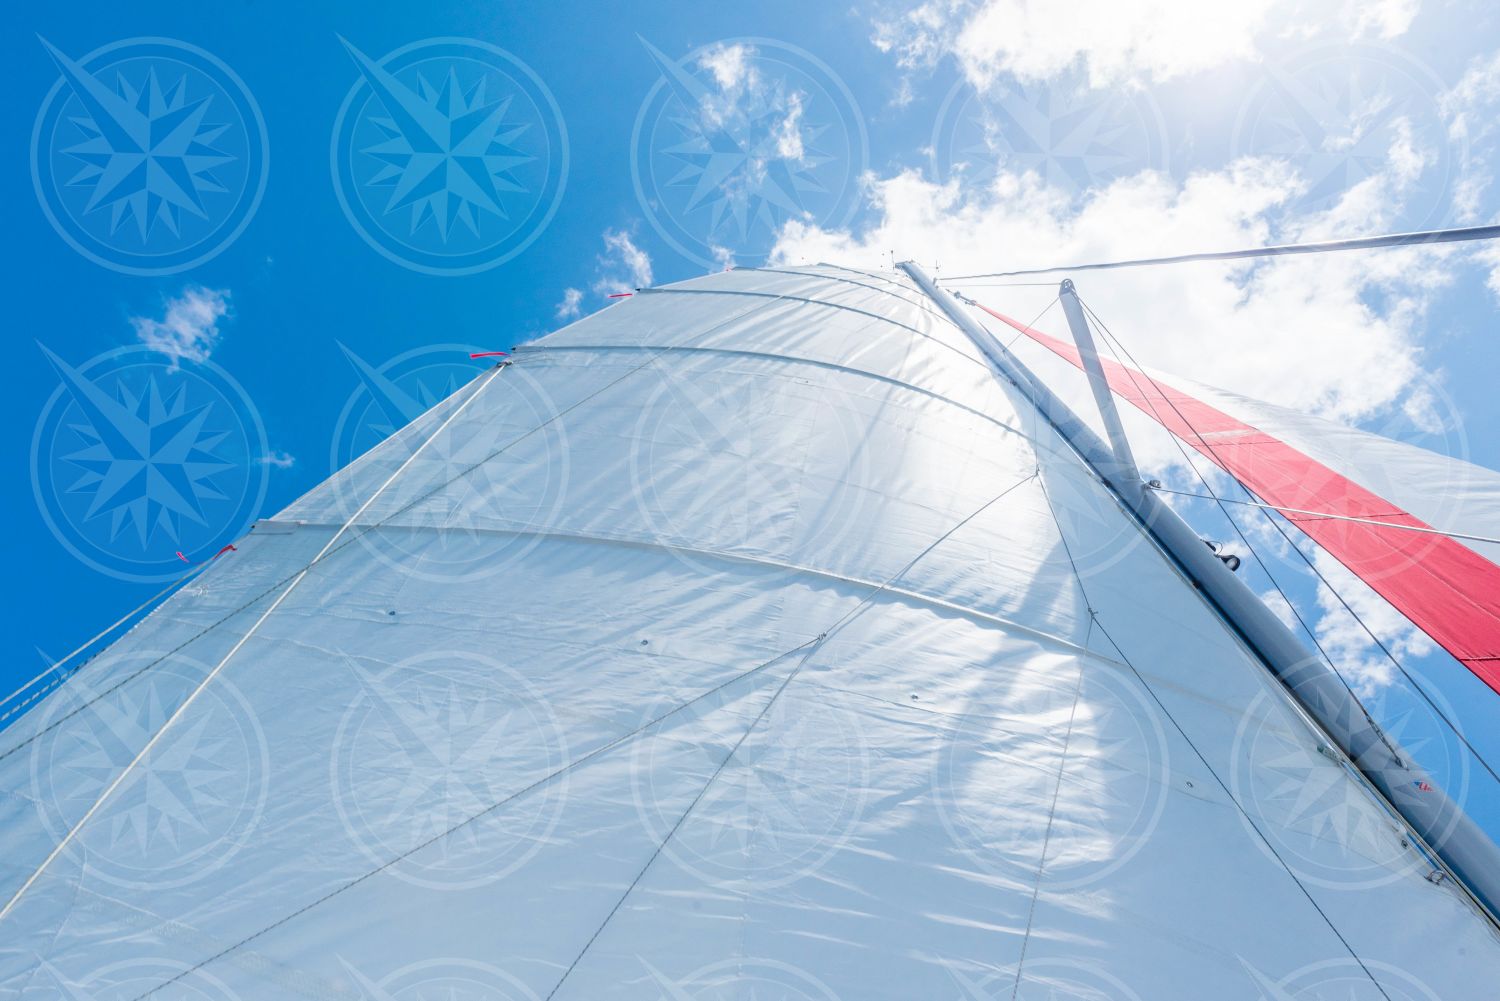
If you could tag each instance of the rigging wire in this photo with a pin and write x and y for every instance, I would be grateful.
(1254, 554)
(56, 665)
(1125, 659)
(1280, 509)
(1420, 238)
(1275, 523)
(1119, 349)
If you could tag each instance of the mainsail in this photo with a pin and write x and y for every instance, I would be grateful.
(748, 638)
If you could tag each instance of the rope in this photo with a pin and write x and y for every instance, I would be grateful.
(1421, 238)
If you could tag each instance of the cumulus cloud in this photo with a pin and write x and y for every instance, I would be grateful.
(571, 306)
(1347, 642)
(1472, 109)
(278, 459)
(623, 266)
(1333, 334)
(1117, 40)
(189, 328)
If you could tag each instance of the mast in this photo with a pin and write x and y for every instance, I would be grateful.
(1406, 787)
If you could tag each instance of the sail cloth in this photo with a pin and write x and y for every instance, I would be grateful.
(1320, 474)
(744, 639)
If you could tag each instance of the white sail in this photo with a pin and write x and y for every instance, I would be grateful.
(745, 639)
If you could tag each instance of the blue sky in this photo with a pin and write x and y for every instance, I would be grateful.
(310, 318)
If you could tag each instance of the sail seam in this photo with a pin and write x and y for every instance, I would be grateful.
(814, 643)
(848, 281)
(822, 302)
(798, 568)
(822, 638)
(793, 360)
(413, 503)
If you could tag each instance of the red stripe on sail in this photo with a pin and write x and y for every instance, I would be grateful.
(1445, 588)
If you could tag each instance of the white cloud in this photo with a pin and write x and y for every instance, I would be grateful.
(1334, 334)
(278, 459)
(190, 328)
(623, 266)
(742, 101)
(723, 257)
(571, 306)
(1472, 108)
(1118, 40)
(1350, 647)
